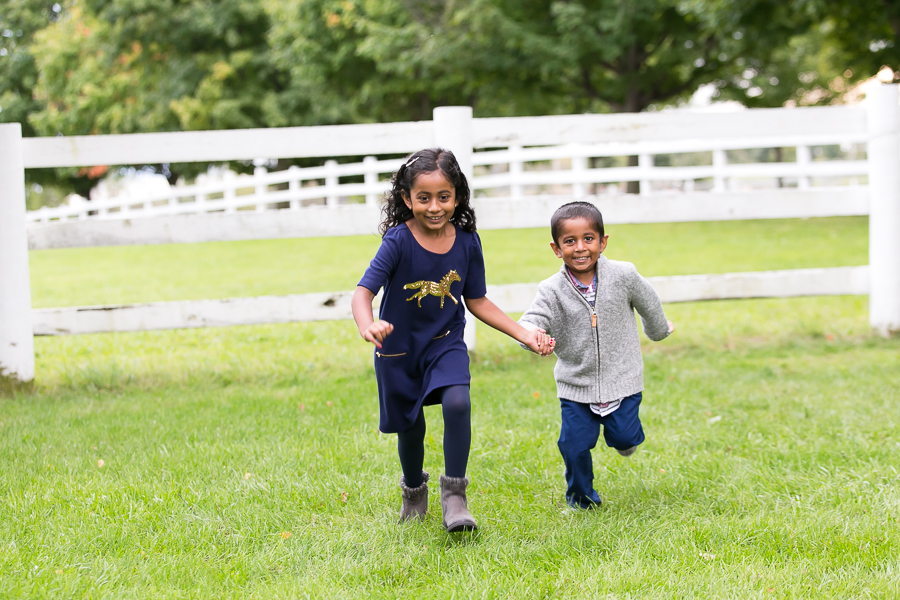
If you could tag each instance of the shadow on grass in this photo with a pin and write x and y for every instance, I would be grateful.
(11, 387)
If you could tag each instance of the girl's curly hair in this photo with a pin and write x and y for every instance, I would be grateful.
(427, 161)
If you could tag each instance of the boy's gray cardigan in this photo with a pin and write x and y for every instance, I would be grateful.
(602, 363)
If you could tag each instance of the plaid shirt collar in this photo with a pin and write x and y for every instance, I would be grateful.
(584, 289)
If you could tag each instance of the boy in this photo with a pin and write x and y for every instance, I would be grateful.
(588, 309)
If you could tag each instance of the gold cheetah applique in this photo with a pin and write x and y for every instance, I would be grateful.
(433, 288)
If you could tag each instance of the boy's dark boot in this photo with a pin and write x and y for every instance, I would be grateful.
(454, 504)
(415, 500)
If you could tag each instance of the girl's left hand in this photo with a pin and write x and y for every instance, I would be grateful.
(540, 342)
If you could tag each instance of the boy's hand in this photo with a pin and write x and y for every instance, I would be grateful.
(671, 326)
(376, 332)
(538, 341)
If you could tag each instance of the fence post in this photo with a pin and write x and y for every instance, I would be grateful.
(516, 168)
(370, 177)
(16, 333)
(884, 208)
(229, 193)
(719, 160)
(260, 188)
(804, 158)
(331, 183)
(579, 168)
(453, 131)
(645, 163)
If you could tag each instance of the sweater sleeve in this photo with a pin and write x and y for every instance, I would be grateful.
(647, 304)
(540, 314)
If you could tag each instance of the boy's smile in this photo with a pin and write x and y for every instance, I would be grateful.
(579, 246)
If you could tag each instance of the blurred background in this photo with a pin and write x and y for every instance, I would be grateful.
(127, 66)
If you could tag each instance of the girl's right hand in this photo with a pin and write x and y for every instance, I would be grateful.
(538, 341)
(376, 332)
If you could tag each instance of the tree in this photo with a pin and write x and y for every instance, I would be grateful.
(866, 34)
(126, 66)
(122, 66)
(392, 60)
(118, 66)
(19, 21)
(847, 42)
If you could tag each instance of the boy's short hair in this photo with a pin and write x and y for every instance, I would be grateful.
(575, 210)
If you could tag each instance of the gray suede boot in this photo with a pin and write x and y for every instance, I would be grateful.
(415, 500)
(454, 504)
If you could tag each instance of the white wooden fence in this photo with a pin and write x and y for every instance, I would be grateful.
(565, 171)
(527, 167)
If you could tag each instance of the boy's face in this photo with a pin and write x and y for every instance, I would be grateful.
(579, 245)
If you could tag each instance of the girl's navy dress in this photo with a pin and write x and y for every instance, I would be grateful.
(423, 300)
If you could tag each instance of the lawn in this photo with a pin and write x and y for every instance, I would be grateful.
(114, 275)
(246, 462)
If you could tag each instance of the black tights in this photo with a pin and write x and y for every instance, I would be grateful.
(456, 407)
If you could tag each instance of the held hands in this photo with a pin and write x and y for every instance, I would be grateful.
(671, 326)
(376, 332)
(539, 341)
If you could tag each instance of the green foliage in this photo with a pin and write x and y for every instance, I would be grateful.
(124, 66)
(19, 21)
(839, 44)
(866, 34)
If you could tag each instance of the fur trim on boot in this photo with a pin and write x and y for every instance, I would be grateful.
(415, 500)
(454, 504)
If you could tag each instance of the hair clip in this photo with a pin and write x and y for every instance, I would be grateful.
(412, 161)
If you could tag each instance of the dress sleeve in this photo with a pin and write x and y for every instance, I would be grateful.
(475, 286)
(382, 267)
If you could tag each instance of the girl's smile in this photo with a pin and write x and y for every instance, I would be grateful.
(432, 201)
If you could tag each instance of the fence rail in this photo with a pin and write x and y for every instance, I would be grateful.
(521, 169)
(329, 306)
(506, 175)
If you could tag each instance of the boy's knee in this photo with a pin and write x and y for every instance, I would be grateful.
(624, 439)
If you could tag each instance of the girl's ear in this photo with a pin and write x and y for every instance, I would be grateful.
(406, 199)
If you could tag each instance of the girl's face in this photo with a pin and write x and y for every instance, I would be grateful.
(432, 200)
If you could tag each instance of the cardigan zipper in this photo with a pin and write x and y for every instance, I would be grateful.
(593, 322)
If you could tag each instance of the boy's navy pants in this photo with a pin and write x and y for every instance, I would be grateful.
(578, 436)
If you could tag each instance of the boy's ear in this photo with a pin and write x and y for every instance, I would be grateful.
(603, 243)
(555, 249)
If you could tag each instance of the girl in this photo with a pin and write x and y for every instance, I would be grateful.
(429, 262)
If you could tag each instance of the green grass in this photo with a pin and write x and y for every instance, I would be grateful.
(769, 469)
(116, 275)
